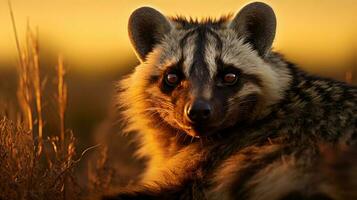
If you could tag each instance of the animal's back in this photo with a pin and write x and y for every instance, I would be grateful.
(286, 158)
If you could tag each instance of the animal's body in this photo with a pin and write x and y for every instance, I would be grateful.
(221, 116)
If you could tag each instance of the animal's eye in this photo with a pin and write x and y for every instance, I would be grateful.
(172, 79)
(230, 78)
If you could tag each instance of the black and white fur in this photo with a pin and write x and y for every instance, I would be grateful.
(264, 138)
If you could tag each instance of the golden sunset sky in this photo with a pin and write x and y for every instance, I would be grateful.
(92, 33)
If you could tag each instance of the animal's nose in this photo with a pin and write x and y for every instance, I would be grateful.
(199, 111)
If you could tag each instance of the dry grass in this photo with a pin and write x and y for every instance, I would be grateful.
(34, 164)
(25, 175)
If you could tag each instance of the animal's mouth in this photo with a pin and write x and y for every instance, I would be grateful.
(196, 131)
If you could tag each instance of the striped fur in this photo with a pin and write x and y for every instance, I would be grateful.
(265, 136)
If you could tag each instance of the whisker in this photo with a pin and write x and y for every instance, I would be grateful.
(184, 139)
(192, 138)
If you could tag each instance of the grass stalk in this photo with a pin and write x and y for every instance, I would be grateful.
(24, 90)
(61, 97)
(36, 81)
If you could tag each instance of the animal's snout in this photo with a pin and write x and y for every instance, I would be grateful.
(198, 111)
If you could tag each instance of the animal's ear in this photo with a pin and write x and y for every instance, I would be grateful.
(147, 27)
(256, 23)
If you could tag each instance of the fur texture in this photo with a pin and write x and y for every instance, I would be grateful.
(264, 135)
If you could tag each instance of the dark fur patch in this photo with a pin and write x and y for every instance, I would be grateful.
(300, 196)
(199, 73)
(177, 69)
(154, 79)
(189, 189)
(238, 187)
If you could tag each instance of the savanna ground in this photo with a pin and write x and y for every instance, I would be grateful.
(56, 139)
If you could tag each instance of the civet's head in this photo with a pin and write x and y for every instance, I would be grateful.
(199, 77)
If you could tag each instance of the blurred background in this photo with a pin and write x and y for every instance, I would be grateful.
(319, 36)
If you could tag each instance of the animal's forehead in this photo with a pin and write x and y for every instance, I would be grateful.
(201, 46)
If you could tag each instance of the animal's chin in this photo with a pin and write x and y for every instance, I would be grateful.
(196, 131)
(199, 131)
